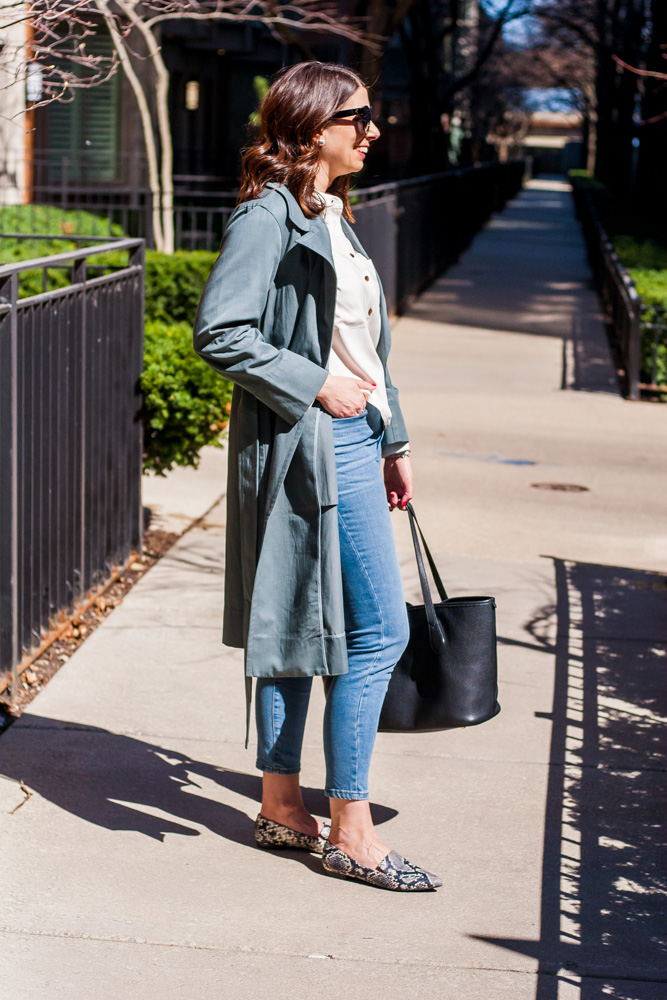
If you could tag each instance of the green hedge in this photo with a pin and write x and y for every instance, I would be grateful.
(51, 220)
(174, 283)
(641, 246)
(652, 287)
(186, 403)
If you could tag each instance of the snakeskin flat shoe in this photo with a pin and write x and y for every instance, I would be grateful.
(393, 872)
(275, 836)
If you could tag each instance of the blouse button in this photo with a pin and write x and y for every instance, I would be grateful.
(351, 255)
(367, 278)
(370, 311)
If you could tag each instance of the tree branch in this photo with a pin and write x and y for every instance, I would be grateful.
(640, 72)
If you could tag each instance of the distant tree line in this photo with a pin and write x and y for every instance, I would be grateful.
(459, 74)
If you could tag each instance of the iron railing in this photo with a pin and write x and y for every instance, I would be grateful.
(411, 228)
(621, 302)
(70, 439)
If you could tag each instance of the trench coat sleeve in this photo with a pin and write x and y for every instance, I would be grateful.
(396, 433)
(227, 331)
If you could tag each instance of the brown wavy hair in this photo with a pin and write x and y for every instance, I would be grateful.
(299, 103)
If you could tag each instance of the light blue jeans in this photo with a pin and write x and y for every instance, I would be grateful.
(376, 627)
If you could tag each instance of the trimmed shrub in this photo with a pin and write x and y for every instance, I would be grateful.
(186, 403)
(647, 254)
(174, 283)
(652, 287)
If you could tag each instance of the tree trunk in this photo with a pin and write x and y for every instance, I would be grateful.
(146, 122)
(164, 125)
(620, 25)
(590, 127)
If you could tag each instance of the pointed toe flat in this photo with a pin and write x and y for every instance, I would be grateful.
(393, 872)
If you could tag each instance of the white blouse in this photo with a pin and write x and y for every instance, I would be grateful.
(356, 330)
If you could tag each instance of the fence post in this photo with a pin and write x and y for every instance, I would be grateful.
(634, 344)
(79, 275)
(9, 499)
(137, 258)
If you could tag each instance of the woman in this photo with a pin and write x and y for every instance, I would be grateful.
(293, 313)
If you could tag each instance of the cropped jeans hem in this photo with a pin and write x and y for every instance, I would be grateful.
(273, 769)
(337, 793)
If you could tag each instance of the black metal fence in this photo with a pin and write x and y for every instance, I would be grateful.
(640, 332)
(70, 438)
(412, 228)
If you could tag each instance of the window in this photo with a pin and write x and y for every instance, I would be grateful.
(83, 134)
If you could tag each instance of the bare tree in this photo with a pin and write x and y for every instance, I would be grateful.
(445, 45)
(651, 75)
(56, 41)
(607, 34)
(449, 53)
(508, 131)
(562, 53)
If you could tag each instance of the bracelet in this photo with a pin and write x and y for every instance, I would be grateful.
(402, 454)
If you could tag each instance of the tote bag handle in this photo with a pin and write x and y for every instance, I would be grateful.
(436, 633)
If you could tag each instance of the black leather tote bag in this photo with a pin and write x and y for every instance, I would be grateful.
(448, 675)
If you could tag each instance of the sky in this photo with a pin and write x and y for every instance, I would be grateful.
(515, 31)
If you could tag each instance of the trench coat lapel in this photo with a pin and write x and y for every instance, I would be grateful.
(318, 240)
(313, 233)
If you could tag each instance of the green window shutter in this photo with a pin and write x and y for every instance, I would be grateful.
(99, 126)
(85, 129)
(64, 140)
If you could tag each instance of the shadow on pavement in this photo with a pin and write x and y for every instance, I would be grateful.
(592, 367)
(111, 780)
(603, 886)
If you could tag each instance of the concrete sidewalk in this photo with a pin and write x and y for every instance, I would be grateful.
(131, 871)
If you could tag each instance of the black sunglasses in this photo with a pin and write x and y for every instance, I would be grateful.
(363, 115)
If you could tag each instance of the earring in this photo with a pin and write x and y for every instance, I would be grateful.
(320, 141)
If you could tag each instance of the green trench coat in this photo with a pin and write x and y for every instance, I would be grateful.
(265, 322)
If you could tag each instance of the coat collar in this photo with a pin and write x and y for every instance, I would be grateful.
(294, 211)
(315, 234)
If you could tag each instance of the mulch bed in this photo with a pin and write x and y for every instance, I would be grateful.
(38, 674)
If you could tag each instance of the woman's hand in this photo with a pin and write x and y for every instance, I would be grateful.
(344, 397)
(398, 481)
